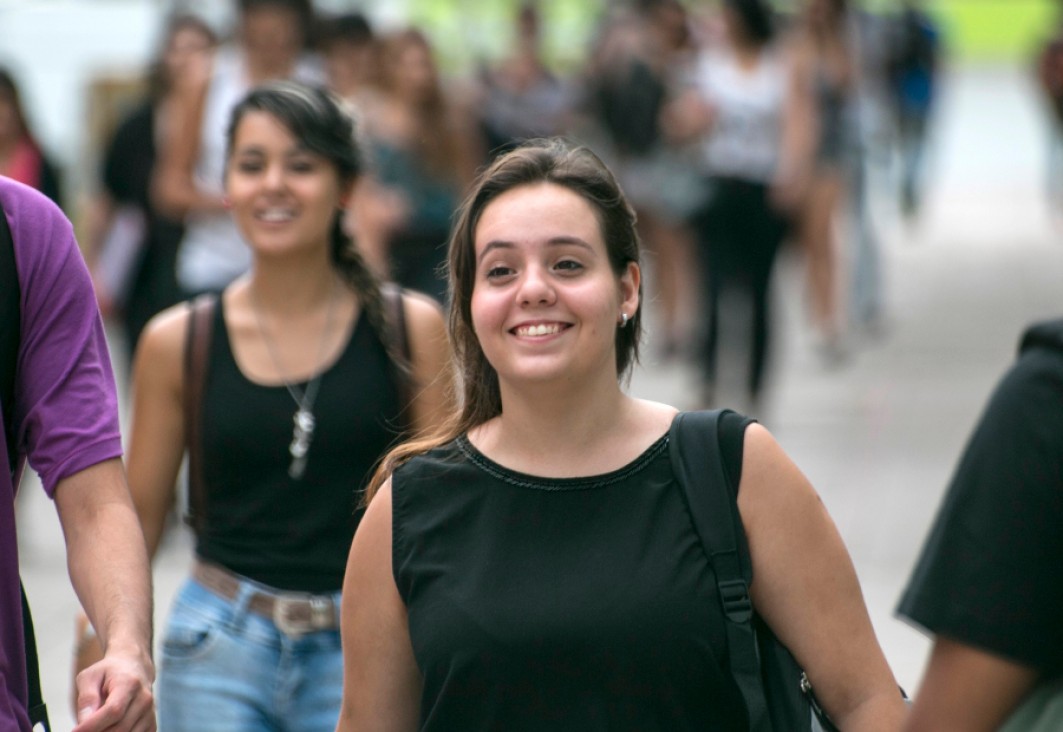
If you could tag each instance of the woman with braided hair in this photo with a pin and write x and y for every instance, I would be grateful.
(309, 378)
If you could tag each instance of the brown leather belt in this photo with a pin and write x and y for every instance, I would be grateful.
(294, 613)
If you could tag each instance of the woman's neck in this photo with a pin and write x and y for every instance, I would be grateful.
(293, 287)
(559, 432)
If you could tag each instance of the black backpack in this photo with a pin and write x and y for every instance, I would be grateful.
(775, 691)
(10, 336)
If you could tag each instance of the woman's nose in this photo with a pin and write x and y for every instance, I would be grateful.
(536, 288)
(274, 177)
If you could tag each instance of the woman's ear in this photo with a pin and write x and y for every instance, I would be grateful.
(347, 194)
(629, 289)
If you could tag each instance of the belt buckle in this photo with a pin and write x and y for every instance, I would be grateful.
(296, 615)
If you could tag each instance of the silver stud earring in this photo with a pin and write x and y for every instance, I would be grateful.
(623, 320)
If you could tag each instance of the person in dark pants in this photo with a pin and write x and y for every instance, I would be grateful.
(133, 246)
(750, 115)
(740, 232)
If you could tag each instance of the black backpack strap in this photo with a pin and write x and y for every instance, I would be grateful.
(694, 448)
(38, 712)
(196, 354)
(395, 312)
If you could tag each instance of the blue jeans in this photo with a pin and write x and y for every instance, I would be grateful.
(227, 669)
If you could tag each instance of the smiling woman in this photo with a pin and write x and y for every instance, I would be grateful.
(533, 565)
(305, 384)
(547, 301)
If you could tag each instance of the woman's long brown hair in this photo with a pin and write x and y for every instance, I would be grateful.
(553, 161)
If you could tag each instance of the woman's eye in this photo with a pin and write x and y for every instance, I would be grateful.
(498, 271)
(302, 166)
(249, 166)
(569, 265)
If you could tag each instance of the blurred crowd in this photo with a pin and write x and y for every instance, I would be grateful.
(735, 129)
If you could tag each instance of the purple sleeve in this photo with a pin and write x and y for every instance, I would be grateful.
(65, 401)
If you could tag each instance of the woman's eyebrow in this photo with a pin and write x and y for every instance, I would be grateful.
(553, 241)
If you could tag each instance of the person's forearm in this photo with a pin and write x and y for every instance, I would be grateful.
(106, 556)
(886, 712)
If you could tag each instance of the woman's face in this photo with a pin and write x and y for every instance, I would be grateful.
(283, 197)
(413, 69)
(546, 302)
(187, 51)
(272, 36)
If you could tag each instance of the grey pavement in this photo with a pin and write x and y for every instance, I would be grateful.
(879, 434)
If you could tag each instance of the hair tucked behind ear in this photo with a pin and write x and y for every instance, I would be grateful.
(554, 161)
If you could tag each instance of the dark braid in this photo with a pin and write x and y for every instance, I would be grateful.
(348, 259)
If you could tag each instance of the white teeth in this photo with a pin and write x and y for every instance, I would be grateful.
(539, 330)
(275, 215)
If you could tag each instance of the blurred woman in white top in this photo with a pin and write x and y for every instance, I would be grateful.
(270, 43)
(752, 116)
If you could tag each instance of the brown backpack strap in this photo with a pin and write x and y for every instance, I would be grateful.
(400, 340)
(197, 350)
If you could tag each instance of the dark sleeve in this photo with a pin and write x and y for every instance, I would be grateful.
(989, 575)
(129, 158)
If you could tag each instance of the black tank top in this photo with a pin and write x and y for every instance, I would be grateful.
(561, 604)
(292, 534)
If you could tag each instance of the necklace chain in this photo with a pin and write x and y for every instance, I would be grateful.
(303, 422)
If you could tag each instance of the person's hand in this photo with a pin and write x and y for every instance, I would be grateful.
(87, 651)
(115, 694)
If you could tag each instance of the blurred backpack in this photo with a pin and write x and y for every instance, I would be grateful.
(914, 59)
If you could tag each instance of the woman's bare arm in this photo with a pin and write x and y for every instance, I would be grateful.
(173, 188)
(157, 439)
(806, 588)
(967, 690)
(381, 681)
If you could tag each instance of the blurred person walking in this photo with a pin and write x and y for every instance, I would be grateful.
(520, 97)
(1050, 80)
(348, 47)
(825, 63)
(752, 116)
(637, 66)
(987, 584)
(913, 70)
(533, 565)
(252, 641)
(132, 247)
(59, 412)
(21, 156)
(425, 149)
(271, 43)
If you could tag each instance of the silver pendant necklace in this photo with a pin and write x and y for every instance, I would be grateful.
(303, 422)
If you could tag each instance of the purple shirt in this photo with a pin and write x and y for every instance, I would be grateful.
(65, 406)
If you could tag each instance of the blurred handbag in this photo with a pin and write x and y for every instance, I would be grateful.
(121, 253)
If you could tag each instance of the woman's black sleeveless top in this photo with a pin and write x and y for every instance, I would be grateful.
(260, 523)
(561, 604)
